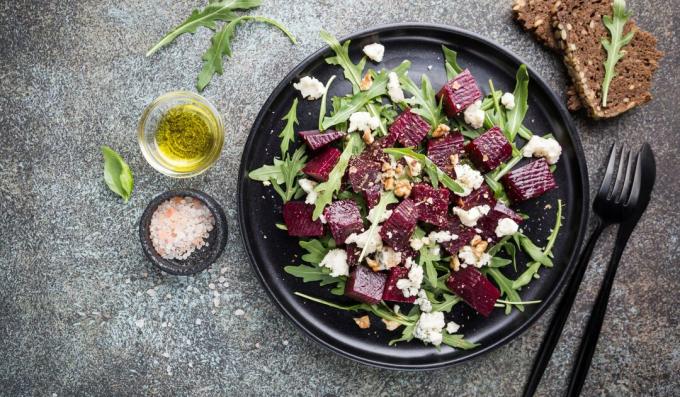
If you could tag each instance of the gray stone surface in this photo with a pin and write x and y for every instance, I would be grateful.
(74, 283)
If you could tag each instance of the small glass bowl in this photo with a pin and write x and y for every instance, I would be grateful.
(148, 126)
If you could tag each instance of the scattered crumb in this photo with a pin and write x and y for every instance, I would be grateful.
(548, 206)
(140, 323)
(198, 321)
(166, 355)
(211, 286)
(429, 67)
(258, 345)
(364, 322)
(151, 292)
(285, 343)
(239, 312)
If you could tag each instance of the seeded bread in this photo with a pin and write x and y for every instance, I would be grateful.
(579, 30)
(535, 16)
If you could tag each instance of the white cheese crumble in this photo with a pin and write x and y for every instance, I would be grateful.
(470, 217)
(375, 51)
(414, 166)
(443, 236)
(362, 121)
(394, 89)
(308, 186)
(429, 328)
(418, 243)
(468, 178)
(506, 227)
(372, 214)
(468, 257)
(411, 285)
(452, 328)
(336, 260)
(310, 88)
(508, 100)
(388, 258)
(362, 240)
(474, 115)
(423, 302)
(538, 146)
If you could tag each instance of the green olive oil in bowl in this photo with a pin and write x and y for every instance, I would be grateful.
(181, 134)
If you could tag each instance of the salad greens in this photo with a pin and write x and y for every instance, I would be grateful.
(117, 174)
(615, 24)
(423, 99)
(287, 135)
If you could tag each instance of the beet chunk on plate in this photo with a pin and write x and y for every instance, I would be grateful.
(353, 253)
(365, 285)
(475, 289)
(343, 218)
(488, 223)
(298, 219)
(481, 196)
(364, 172)
(432, 204)
(529, 181)
(409, 128)
(398, 228)
(316, 139)
(464, 233)
(321, 166)
(459, 93)
(489, 150)
(439, 150)
(391, 292)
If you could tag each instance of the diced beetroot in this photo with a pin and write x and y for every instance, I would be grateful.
(343, 218)
(391, 292)
(364, 173)
(488, 223)
(387, 141)
(481, 196)
(529, 181)
(353, 253)
(365, 285)
(432, 204)
(489, 150)
(474, 289)
(372, 196)
(439, 150)
(409, 128)
(321, 166)
(298, 219)
(459, 93)
(464, 233)
(316, 139)
(398, 228)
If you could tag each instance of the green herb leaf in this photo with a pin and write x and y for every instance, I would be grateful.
(457, 341)
(447, 304)
(451, 63)
(327, 189)
(322, 108)
(521, 93)
(431, 168)
(351, 308)
(215, 11)
(268, 173)
(386, 199)
(287, 135)
(314, 273)
(615, 24)
(532, 250)
(353, 72)
(221, 47)
(526, 277)
(282, 172)
(316, 250)
(505, 285)
(117, 174)
(406, 334)
(424, 99)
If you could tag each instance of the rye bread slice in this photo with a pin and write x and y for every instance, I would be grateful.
(579, 30)
(535, 16)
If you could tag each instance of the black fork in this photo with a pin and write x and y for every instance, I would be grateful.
(611, 207)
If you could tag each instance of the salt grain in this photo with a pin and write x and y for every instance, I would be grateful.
(239, 312)
(179, 226)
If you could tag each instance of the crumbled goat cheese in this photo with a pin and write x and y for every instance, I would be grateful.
(394, 89)
(436, 250)
(414, 166)
(443, 236)
(469, 257)
(508, 100)
(418, 243)
(388, 258)
(506, 227)
(470, 217)
(548, 148)
(411, 285)
(423, 302)
(452, 328)
(336, 260)
(468, 178)
(372, 214)
(375, 51)
(362, 121)
(474, 115)
(362, 240)
(429, 328)
(308, 186)
(310, 88)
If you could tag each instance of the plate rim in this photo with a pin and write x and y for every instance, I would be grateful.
(580, 160)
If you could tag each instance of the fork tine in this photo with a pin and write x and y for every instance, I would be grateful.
(620, 174)
(609, 173)
(636, 187)
(633, 159)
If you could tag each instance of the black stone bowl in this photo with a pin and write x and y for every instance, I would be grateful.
(198, 260)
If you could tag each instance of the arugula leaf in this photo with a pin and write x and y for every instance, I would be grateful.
(431, 168)
(282, 172)
(425, 98)
(526, 277)
(555, 230)
(447, 304)
(386, 199)
(117, 174)
(521, 93)
(532, 250)
(427, 259)
(505, 285)
(351, 308)
(406, 334)
(287, 135)
(457, 341)
(221, 46)
(326, 189)
(267, 173)
(451, 63)
(615, 24)
(213, 12)
(322, 108)
(316, 251)
(352, 71)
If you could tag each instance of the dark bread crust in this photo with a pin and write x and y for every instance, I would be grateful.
(579, 30)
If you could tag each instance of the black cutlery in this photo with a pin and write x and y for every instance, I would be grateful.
(635, 198)
(611, 206)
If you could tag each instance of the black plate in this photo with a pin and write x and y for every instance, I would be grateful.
(270, 249)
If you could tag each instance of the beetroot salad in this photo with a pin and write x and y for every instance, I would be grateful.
(402, 198)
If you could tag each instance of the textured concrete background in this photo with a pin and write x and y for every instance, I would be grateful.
(81, 310)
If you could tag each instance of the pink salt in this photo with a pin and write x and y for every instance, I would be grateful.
(180, 226)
